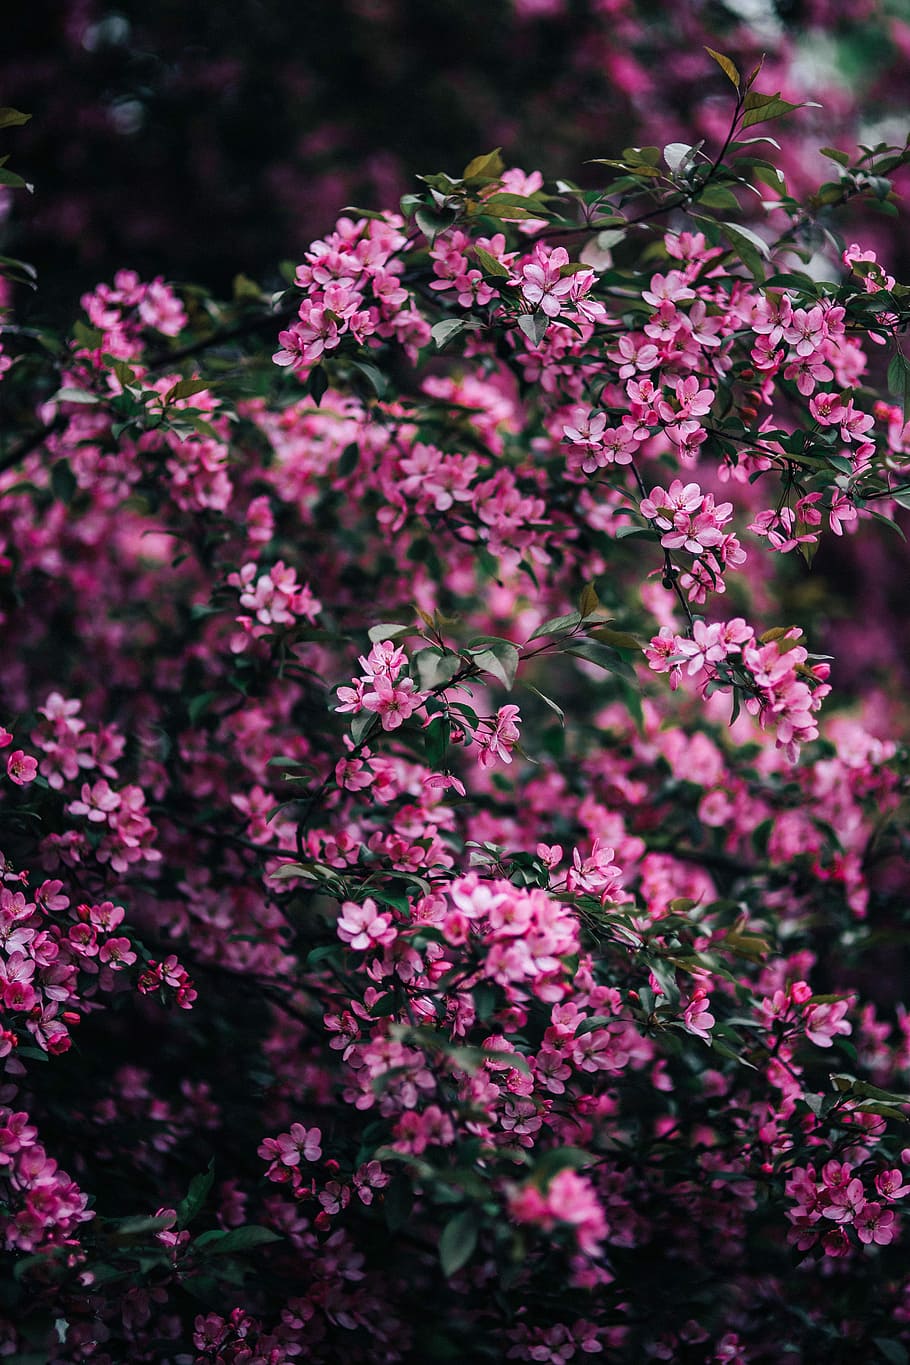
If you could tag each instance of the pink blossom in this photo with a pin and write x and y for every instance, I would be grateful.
(21, 768)
(363, 926)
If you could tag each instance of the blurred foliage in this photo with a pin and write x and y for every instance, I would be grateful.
(201, 139)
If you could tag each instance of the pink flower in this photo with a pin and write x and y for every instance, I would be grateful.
(542, 283)
(299, 1143)
(392, 702)
(21, 768)
(890, 1184)
(97, 803)
(363, 927)
(499, 738)
(698, 1018)
(117, 953)
(876, 1223)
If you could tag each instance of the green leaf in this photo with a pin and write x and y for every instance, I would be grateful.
(603, 656)
(588, 602)
(197, 705)
(436, 742)
(431, 224)
(726, 66)
(375, 378)
(617, 639)
(627, 532)
(350, 457)
(361, 725)
(398, 1202)
(14, 181)
(185, 388)
(489, 166)
(749, 247)
(134, 1227)
(893, 1351)
(443, 332)
(12, 118)
(435, 667)
(760, 245)
(286, 871)
(548, 701)
(317, 384)
(512, 207)
(534, 326)
(761, 108)
(499, 659)
(75, 396)
(196, 1195)
(559, 1159)
(458, 1241)
(490, 265)
(387, 630)
(557, 625)
(218, 1243)
(719, 197)
(832, 153)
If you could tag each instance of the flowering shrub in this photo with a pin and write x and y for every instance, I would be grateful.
(404, 1021)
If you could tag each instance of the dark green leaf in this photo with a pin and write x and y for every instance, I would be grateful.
(218, 1243)
(557, 625)
(559, 1159)
(317, 384)
(398, 1202)
(196, 1195)
(348, 462)
(766, 107)
(375, 378)
(893, 1351)
(457, 1243)
(548, 701)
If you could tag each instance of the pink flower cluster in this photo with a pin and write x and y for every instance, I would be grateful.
(691, 520)
(353, 289)
(795, 1010)
(568, 1199)
(129, 834)
(528, 936)
(827, 1207)
(42, 1205)
(275, 599)
(381, 688)
(782, 689)
(69, 746)
(130, 308)
(553, 285)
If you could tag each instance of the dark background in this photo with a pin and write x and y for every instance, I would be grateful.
(195, 140)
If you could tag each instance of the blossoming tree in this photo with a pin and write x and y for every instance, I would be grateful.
(445, 914)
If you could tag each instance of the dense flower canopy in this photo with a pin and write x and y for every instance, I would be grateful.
(448, 910)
